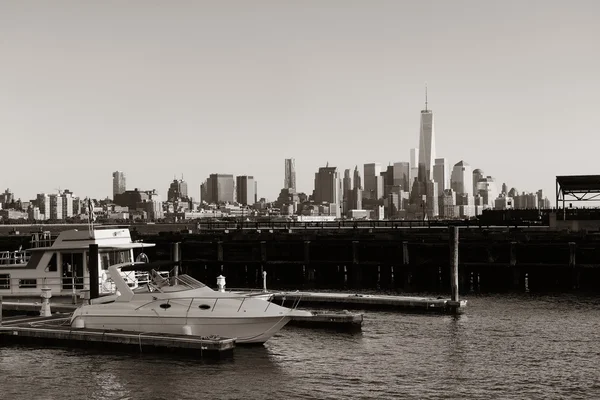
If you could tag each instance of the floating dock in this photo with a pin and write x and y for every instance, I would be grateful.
(52, 330)
(357, 300)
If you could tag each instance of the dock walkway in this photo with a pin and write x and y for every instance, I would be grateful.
(53, 330)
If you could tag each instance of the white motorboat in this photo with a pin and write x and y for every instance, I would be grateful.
(182, 305)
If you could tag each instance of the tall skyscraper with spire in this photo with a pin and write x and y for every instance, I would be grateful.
(290, 174)
(426, 144)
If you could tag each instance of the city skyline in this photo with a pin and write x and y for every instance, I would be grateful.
(192, 99)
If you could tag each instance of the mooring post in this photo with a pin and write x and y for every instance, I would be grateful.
(454, 262)
(176, 257)
(0, 310)
(94, 274)
(264, 275)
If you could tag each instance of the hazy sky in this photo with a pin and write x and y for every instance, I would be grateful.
(157, 88)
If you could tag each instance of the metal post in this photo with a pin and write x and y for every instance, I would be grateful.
(93, 268)
(175, 257)
(454, 262)
(0, 310)
(264, 274)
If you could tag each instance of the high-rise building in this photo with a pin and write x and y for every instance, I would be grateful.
(218, 188)
(477, 176)
(119, 185)
(328, 187)
(245, 190)
(357, 179)
(67, 204)
(441, 175)
(56, 207)
(387, 178)
(402, 175)
(290, 174)
(347, 183)
(426, 144)
(414, 166)
(43, 202)
(461, 180)
(373, 181)
(178, 190)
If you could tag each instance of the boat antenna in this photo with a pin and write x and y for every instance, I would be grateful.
(91, 216)
(425, 96)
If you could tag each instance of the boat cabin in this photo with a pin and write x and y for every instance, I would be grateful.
(62, 264)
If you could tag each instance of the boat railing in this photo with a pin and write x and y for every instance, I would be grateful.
(14, 258)
(208, 303)
(41, 239)
(33, 285)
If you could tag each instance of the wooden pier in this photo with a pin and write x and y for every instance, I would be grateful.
(53, 331)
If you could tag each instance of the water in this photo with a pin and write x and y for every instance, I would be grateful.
(523, 347)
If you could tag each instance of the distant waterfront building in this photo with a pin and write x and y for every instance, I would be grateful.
(119, 185)
(461, 180)
(503, 202)
(432, 199)
(290, 174)
(441, 175)
(426, 144)
(67, 204)
(373, 188)
(487, 189)
(346, 190)
(245, 186)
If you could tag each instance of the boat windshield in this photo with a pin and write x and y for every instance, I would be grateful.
(160, 283)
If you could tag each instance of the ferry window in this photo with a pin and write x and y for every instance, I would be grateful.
(52, 266)
(27, 283)
(4, 281)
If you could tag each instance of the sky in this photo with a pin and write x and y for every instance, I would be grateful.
(160, 89)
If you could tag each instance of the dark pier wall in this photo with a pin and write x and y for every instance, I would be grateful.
(410, 260)
(404, 260)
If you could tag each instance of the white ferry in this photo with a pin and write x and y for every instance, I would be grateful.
(62, 264)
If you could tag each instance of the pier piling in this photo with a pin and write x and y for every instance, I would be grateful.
(0, 310)
(176, 257)
(93, 268)
(454, 262)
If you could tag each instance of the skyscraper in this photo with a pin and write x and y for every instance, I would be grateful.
(414, 167)
(426, 144)
(245, 190)
(219, 188)
(327, 187)
(290, 174)
(357, 179)
(373, 181)
(402, 175)
(441, 175)
(177, 190)
(119, 186)
(477, 176)
(462, 179)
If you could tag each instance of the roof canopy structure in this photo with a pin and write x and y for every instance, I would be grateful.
(577, 188)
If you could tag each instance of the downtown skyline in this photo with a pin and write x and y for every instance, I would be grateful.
(234, 88)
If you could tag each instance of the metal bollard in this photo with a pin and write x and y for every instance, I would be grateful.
(221, 283)
(46, 295)
(264, 274)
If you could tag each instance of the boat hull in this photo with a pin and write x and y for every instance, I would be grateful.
(243, 329)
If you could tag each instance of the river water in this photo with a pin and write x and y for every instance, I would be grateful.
(504, 347)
